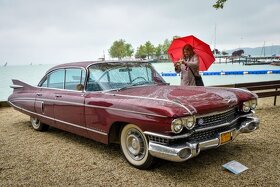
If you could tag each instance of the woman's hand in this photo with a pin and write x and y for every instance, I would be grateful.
(181, 61)
(177, 64)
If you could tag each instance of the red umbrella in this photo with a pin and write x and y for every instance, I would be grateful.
(201, 49)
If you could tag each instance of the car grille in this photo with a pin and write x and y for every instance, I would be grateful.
(217, 119)
(158, 139)
(202, 135)
(209, 134)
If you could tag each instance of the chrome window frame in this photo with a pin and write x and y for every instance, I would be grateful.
(63, 68)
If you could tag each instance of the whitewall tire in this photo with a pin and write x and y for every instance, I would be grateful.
(37, 125)
(134, 146)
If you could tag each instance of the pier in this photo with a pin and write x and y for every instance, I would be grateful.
(245, 60)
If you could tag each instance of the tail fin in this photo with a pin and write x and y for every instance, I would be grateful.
(19, 84)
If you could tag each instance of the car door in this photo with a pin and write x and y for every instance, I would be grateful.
(69, 108)
(44, 103)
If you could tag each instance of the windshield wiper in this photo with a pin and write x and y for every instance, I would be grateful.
(136, 84)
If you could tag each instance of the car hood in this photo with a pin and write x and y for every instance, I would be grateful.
(180, 100)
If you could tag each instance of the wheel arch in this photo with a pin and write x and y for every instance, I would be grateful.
(115, 130)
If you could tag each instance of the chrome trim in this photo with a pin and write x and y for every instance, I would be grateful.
(156, 99)
(77, 91)
(16, 86)
(245, 126)
(71, 124)
(113, 61)
(198, 130)
(64, 67)
(42, 107)
(214, 113)
(172, 152)
(222, 125)
(90, 106)
(166, 136)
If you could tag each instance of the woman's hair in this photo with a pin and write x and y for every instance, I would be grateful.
(188, 46)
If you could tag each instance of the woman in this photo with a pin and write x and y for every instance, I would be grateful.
(189, 68)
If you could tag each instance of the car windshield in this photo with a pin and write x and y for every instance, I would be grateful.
(121, 75)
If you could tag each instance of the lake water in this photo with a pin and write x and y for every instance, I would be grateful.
(33, 74)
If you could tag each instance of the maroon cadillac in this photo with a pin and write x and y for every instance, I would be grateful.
(129, 103)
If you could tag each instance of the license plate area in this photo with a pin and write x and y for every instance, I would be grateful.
(225, 137)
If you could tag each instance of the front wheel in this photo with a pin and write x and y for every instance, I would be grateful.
(134, 146)
(37, 125)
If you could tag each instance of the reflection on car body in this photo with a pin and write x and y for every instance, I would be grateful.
(129, 103)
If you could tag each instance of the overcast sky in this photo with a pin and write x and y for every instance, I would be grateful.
(59, 31)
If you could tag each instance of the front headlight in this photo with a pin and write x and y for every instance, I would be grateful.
(177, 126)
(246, 106)
(253, 104)
(189, 122)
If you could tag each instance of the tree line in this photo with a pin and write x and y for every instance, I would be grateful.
(121, 49)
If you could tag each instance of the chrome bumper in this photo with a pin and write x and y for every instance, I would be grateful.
(183, 152)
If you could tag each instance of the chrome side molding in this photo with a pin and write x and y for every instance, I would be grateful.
(16, 86)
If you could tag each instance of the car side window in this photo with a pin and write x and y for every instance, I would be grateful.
(74, 79)
(56, 79)
(95, 76)
(44, 82)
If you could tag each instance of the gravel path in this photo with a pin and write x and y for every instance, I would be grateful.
(58, 158)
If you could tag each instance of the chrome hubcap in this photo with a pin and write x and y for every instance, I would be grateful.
(35, 123)
(135, 144)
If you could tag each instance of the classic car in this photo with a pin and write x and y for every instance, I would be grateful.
(129, 103)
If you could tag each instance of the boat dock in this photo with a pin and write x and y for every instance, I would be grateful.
(246, 60)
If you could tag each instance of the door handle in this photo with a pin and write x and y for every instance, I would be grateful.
(42, 107)
(39, 94)
(58, 96)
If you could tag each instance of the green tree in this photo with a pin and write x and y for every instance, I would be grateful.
(141, 52)
(219, 4)
(120, 49)
(150, 49)
(129, 50)
(158, 50)
(165, 46)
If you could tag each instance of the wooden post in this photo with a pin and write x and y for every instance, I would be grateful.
(275, 97)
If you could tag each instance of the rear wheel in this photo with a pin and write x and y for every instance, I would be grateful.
(37, 125)
(134, 146)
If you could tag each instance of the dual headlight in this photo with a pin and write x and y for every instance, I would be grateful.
(249, 105)
(178, 124)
